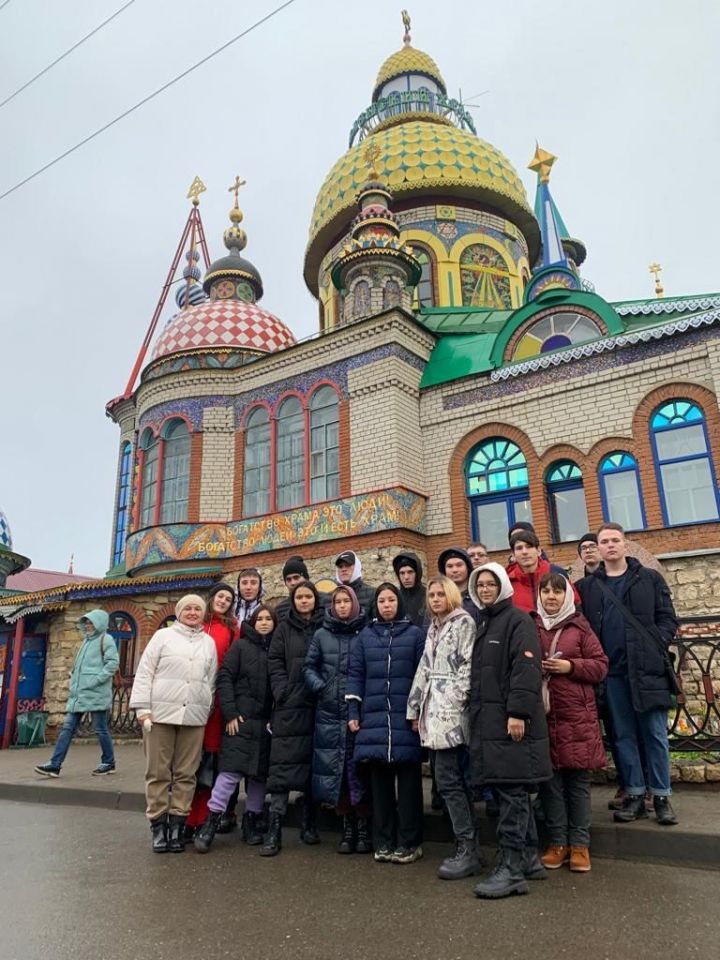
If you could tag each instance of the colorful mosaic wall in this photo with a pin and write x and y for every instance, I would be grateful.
(369, 513)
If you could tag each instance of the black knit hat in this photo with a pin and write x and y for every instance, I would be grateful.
(217, 587)
(520, 525)
(295, 564)
(591, 537)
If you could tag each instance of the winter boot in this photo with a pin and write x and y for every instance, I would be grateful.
(205, 834)
(159, 830)
(308, 826)
(507, 877)
(533, 868)
(347, 841)
(633, 808)
(465, 862)
(665, 814)
(251, 827)
(272, 841)
(176, 834)
(228, 822)
(363, 843)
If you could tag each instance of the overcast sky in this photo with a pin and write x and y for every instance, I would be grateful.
(626, 94)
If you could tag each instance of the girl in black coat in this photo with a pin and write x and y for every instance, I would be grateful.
(509, 745)
(293, 718)
(243, 688)
(335, 777)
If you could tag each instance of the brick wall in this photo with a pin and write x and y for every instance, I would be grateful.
(218, 464)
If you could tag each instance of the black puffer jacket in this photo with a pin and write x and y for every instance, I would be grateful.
(506, 681)
(648, 597)
(243, 688)
(326, 669)
(293, 716)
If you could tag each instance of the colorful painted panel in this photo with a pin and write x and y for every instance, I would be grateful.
(554, 332)
(370, 513)
(484, 278)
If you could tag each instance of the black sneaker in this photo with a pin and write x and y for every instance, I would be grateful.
(47, 770)
(383, 855)
(407, 855)
(664, 812)
(103, 769)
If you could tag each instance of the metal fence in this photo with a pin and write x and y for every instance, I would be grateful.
(694, 725)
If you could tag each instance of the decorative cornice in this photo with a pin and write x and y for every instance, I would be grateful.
(544, 361)
(647, 307)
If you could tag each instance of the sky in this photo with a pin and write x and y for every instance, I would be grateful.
(626, 94)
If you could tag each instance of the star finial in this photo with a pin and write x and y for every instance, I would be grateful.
(656, 270)
(196, 188)
(235, 188)
(542, 163)
(406, 23)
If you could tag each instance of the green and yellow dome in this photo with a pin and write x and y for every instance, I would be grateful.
(418, 158)
(408, 60)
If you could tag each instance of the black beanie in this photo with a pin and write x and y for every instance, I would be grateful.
(295, 565)
(217, 587)
(592, 537)
(520, 525)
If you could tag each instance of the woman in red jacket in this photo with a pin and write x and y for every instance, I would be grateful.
(573, 664)
(223, 628)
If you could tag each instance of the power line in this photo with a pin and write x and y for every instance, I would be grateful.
(150, 96)
(3, 5)
(67, 52)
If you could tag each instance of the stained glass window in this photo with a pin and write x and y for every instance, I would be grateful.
(554, 332)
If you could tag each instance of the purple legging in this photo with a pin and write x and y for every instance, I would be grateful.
(226, 783)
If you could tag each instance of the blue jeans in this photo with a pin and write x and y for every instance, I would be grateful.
(69, 727)
(635, 732)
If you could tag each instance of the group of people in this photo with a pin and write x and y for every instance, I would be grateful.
(499, 673)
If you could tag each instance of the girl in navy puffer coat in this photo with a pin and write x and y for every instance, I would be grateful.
(382, 667)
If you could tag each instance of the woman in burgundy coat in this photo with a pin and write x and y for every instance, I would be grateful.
(573, 664)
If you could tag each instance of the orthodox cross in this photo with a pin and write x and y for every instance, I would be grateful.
(656, 270)
(235, 188)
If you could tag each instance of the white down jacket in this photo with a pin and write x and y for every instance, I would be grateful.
(175, 679)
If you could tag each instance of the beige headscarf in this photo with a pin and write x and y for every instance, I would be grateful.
(568, 607)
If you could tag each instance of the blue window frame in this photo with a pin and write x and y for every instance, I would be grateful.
(496, 483)
(566, 501)
(620, 491)
(122, 507)
(683, 464)
(123, 629)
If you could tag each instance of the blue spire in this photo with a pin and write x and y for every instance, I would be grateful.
(552, 226)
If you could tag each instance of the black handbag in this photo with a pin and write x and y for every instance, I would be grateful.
(668, 657)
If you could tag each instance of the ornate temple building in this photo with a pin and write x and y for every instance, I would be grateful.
(464, 375)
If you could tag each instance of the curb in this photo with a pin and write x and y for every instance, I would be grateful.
(642, 841)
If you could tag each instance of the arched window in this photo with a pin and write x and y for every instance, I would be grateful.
(555, 331)
(424, 291)
(290, 454)
(684, 467)
(123, 630)
(123, 504)
(150, 445)
(324, 445)
(566, 499)
(391, 294)
(620, 491)
(496, 479)
(175, 473)
(361, 299)
(256, 482)
(484, 278)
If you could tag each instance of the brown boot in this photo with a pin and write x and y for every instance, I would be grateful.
(580, 860)
(555, 856)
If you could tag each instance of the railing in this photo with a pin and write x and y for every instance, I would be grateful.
(410, 101)
(123, 722)
(694, 725)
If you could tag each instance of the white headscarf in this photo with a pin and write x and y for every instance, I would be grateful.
(567, 608)
(506, 588)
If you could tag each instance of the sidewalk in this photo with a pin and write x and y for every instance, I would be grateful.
(695, 840)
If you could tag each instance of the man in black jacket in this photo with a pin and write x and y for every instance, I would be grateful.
(629, 608)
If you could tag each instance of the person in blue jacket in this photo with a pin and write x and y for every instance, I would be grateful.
(90, 692)
(383, 662)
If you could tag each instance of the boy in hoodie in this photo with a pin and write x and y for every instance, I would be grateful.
(249, 593)
(348, 573)
(294, 572)
(408, 570)
(90, 692)
(456, 564)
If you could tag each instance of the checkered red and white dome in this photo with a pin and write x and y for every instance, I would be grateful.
(223, 323)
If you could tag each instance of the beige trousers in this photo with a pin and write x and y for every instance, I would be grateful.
(172, 756)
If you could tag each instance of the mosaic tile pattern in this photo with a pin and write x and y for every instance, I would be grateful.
(5, 535)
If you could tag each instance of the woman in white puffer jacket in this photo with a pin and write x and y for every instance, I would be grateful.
(172, 695)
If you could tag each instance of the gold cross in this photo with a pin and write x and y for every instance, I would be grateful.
(235, 188)
(656, 269)
(196, 188)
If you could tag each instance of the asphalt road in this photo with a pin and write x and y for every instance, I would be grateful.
(82, 884)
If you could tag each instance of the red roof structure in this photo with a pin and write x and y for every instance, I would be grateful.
(34, 579)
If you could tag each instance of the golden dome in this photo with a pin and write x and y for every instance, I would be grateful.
(408, 60)
(418, 158)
